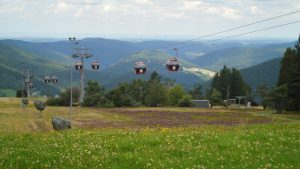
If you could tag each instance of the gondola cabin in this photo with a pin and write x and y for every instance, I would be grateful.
(27, 82)
(78, 65)
(172, 65)
(47, 79)
(140, 68)
(95, 65)
(30, 85)
(54, 79)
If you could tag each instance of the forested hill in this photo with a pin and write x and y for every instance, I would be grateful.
(14, 62)
(241, 57)
(264, 73)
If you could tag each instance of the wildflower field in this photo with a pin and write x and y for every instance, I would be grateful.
(149, 138)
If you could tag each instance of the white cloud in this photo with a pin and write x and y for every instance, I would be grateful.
(298, 6)
(192, 5)
(79, 13)
(254, 9)
(61, 7)
(230, 13)
(143, 2)
(108, 8)
(212, 10)
(172, 15)
(224, 12)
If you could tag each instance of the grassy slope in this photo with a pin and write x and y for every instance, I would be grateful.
(275, 145)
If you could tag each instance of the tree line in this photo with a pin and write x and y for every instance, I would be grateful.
(152, 92)
(227, 84)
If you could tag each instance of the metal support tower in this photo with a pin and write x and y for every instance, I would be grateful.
(82, 53)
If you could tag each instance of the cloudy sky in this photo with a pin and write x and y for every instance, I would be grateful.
(143, 18)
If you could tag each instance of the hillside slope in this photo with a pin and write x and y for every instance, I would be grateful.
(265, 73)
(155, 60)
(241, 57)
(14, 62)
(262, 74)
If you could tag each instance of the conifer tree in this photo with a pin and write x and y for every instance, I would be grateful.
(290, 75)
(230, 83)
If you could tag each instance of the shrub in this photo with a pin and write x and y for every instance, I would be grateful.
(185, 101)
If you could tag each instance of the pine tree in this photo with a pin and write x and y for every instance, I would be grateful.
(94, 94)
(196, 92)
(215, 98)
(230, 83)
(290, 75)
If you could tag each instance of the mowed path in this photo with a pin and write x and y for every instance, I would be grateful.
(15, 119)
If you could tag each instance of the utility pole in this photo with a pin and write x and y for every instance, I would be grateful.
(74, 42)
(28, 77)
(228, 94)
(22, 90)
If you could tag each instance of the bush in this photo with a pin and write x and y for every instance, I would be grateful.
(185, 101)
(109, 104)
(175, 94)
(54, 101)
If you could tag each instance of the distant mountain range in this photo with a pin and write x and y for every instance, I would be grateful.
(198, 62)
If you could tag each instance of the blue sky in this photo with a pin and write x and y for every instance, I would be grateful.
(143, 18)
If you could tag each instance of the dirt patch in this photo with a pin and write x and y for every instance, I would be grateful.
(98, 123)
(38, 126)
(165, 118)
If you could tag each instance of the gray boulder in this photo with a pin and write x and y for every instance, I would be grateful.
(60, 123)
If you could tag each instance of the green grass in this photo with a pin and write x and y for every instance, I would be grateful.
(27, 141)
(260, 146)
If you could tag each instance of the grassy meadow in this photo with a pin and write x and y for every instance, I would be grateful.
(148, 138)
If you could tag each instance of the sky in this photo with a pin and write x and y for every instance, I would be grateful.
(157, 19)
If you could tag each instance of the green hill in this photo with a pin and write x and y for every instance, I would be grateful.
(241, 57)
(14, 62)
(262, 74)
(265, 73)
(155, 61)
(39, 49)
